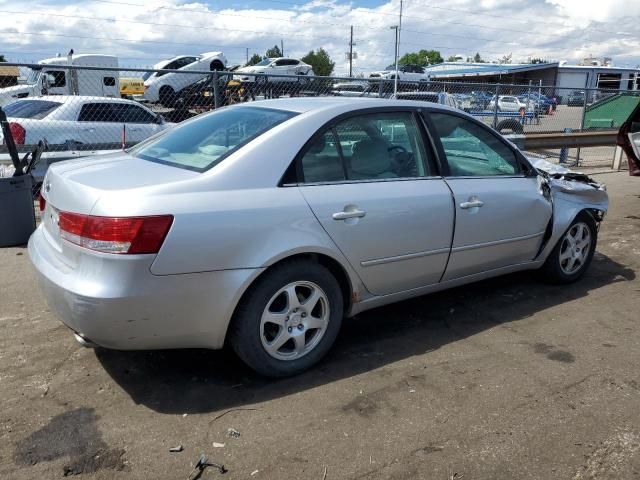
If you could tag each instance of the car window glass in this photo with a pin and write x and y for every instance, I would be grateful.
(471, 149)
(382, 145)
(133, 114)
(34, 109)
(97, 112)
(280, 63)
(204, 141)
(59, 79)
(109, 81)
(321, 162)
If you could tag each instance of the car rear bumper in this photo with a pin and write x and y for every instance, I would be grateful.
(117, 303)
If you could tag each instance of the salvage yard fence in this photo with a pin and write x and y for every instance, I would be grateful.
(82, 109)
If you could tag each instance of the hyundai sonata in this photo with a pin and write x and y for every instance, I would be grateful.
(264, 224)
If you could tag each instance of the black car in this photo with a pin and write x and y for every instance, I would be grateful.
(576, 98)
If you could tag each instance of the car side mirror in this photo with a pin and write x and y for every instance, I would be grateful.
(159, 120)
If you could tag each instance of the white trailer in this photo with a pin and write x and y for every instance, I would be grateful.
(49, 79)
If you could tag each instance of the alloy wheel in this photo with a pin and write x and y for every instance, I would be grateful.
(294, 320)
(575, 247)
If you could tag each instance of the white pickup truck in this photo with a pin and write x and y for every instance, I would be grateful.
(406, 73)
(50, 79)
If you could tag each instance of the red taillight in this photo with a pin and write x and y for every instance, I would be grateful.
(115, 234)
(18, 133)
(42, 203)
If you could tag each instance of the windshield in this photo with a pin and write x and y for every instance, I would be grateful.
(33, 75)
(206, 140)
(146, 75)
(393, 67)
(34, 109)
(263, 63)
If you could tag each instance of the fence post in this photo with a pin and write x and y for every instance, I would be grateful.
(584, 114)
(495, 107)
(216, 89)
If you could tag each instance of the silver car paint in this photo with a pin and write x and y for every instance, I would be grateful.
(403, 240)
(495, 235)
(144, 295)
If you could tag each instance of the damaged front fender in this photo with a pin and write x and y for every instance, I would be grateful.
(570, 193)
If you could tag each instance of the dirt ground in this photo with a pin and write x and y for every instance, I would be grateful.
(504, 379)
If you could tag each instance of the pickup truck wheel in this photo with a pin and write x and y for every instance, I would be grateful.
(288, 320)
(572, 255)
(167, 96)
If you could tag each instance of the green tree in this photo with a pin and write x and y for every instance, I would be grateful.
(2, 58)
(255, 58)
(506, 58)
(452, 58)
(422, 58)
(273, 52)
(538, 60)
(477, 58)
(320, 61)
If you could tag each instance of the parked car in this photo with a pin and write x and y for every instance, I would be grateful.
(480, 100)
(61, 119)
(275, 66)
(576, 98)
(541, 104)
(263, 224)
(508, 103)
(163, 87)
(353, 89)
(406, 73)
(441, 98)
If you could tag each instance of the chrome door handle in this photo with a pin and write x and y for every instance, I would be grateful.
(348, 214)
(471, 204)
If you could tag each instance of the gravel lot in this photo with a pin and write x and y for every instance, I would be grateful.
(504, 379)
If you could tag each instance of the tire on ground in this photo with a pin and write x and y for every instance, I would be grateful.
(245, 329)
(510, 124)
(551, 270)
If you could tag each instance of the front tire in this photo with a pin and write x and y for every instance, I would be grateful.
(572, 255)
(288, 320)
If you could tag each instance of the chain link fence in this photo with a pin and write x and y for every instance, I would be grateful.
(88, 109)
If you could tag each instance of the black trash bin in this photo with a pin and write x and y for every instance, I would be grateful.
(17, 215)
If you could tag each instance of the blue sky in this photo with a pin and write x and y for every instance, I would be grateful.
(142, 32)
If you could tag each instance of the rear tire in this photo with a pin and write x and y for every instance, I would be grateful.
(572, 255)
(288, 320)
(510, 124)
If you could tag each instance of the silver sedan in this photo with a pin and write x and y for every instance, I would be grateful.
(263, 225)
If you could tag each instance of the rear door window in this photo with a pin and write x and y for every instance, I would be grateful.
(367, 147)
(98, 112)
(34, 109)
(133, 114)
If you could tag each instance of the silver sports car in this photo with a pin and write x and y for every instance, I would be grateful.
(264, 224)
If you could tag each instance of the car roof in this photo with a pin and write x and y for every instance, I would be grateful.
(78, 98)
(307, 104)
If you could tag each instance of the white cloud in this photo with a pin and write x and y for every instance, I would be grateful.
(551, 29)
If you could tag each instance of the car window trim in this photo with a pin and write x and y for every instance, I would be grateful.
(331, 124)
(523, 165)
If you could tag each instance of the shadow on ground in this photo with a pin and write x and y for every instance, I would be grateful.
(199, 381)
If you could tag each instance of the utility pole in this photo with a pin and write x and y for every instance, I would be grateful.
(282, 47)
(247, 55)
(351, 53)
(398, 30)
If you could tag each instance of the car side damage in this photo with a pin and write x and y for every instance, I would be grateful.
(569, 193)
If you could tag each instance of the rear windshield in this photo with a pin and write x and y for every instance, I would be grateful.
(34, 109)
(205, 141)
